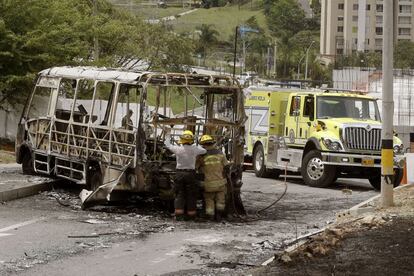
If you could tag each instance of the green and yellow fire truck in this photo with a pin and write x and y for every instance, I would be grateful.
(323, 135)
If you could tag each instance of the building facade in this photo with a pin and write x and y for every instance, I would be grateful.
(348, 26)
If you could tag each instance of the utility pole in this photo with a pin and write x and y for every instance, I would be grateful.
(268, 61)
(244, 55)
(95, 39)
(300, 62)
(306, 62)
(235, 51)
(387, 153)
(274, 60)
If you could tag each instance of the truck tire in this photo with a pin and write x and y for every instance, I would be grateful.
(258, 162)
(27, 164)
(314, 173)
(376, 180)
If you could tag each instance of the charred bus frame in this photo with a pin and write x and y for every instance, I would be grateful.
(75, 126)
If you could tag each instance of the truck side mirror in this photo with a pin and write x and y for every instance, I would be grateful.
(311, 116)
(310, 107)
(296, 106)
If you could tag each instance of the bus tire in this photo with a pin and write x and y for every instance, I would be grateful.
(258, 162)
(376, 180)
(314, 172)
(28, 164)
(94, 179)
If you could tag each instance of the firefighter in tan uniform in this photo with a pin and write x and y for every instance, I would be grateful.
(212, 165)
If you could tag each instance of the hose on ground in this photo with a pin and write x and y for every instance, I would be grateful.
(258, 216)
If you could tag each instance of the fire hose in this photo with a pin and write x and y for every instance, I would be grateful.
(258, 215)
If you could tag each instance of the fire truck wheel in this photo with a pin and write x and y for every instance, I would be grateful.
(94, 180)
(258, 162)
(27, 164)
(376, 181)
(314, 172)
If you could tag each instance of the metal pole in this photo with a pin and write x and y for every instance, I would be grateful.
(244, 55)
(300, 62)
(268, 62)
(95, 39)
(306, 66)
(274, 60)
(235, 51)
(387, 153)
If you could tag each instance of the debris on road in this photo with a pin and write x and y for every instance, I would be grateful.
(266, 244)
(95, 221)
(335, 237)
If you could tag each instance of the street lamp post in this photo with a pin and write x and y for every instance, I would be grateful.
(300, 62)
(306, 67)
(235, 51)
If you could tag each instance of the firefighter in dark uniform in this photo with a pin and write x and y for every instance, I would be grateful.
(212, 165)
(186, 185)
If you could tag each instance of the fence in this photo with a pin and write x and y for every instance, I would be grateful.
(370, 80)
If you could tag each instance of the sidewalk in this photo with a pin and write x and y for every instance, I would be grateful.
(15, 185)
(10, 168)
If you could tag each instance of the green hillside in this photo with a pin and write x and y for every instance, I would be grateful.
(225, 19)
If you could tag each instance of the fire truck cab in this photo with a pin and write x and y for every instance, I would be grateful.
(323, 135)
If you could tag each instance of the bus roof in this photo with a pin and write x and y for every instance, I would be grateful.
(108, 74)
(91, 72)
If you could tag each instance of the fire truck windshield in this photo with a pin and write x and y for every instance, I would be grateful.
(347, 107)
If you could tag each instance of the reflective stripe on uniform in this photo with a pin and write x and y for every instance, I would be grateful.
(212, 160)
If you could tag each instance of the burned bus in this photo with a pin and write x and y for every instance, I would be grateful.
(106, 128)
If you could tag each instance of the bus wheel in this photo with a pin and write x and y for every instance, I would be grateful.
(94, 180)
(27, 164)
(314, 172)
(376, 180)
(258, 162)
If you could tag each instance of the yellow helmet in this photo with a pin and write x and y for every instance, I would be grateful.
(187, 137)
(206, 139)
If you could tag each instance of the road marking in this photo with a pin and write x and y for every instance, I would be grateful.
(18, 225)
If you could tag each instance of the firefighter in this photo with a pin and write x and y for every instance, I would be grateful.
(185, 181)
(213, 164)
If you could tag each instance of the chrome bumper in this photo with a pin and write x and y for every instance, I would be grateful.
(357, 160)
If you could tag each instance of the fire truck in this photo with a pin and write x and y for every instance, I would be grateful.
(323, 135)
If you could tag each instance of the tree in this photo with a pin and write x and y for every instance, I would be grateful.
(286, 18)
(207, 39)
(35, 35)
(403, 54)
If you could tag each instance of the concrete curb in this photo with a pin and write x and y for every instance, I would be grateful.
(25, 188)
(25, 191)
(364, 207)
(10, 168)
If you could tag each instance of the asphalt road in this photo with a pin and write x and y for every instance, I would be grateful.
(41, 236)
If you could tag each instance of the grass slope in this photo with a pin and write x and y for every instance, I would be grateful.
(146, 9)
(225, 19)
